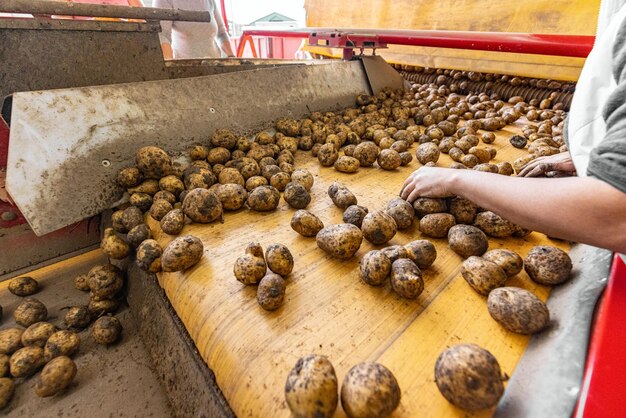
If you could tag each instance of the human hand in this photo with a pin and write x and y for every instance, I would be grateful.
(428, 182)
(558, 164)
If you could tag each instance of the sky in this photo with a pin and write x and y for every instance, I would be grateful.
(246, 11)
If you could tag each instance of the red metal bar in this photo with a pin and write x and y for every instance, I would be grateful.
(224, 18)
(523, 43)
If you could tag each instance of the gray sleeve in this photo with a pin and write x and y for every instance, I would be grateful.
(166, 25)
(608, 160)
(222, 34)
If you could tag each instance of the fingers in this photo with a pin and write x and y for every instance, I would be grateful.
(530, 166)
(412, 196)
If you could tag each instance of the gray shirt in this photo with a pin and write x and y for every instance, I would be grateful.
(191, 39)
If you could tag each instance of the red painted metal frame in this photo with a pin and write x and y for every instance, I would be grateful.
(523, 43)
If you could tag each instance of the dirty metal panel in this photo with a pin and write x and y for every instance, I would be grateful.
(381, 74)
(66, 146)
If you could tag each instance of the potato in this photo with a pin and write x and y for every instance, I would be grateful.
(378, 227)
(77, 317)
(297, 196)
(174, 222)
(469, 377)
(518, 310)
(149, 187)
(311, 388)
(375, 268)
(340, 241)
(401, 211)
(269, 170)
(171, 184)
(428, 152)
(138, 234)
(508, 260)
(280, 181)
(483, 155)
(55, 376)
(153, 162)
(202, 206)
(346, 164)
(306, 224)
(469, 160)
(61, 343)
(182, 253)
(129, 177)
(482, 275)
(10, 340)
(23, 286)
(367, 153)
(26, 361)
(436, 225)
(303, 176)
(263, 198)
(232, 196)
(493, 225)
(251, 267)
(198, 152)
(279, 259)
(395, 252)
(463, 210)
(7, 388)
(389, 159)
(341, 196)
(29, 311)
(548, 265)
(159, 209)
(422, 252)
(255, 181)
(406, 278)
(37, 334)
(106, 330)
(99, 307)
(327, 155)
(105, 281)
(369, 390)
(114, 246)
(423, 206)
(467, 240)
(224, 138)
(149, 256)
(141, 201)
(4, 364)
(271, 292)
(487, 168)
(199, 177)
(354, 214)
(405, 158)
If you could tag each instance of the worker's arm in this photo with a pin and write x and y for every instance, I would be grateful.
(581, 209)
(222, 39)
(166, 29)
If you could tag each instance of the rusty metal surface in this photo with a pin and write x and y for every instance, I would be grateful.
(45, 7)
(66, 146)
(548, 378)
(189, 383)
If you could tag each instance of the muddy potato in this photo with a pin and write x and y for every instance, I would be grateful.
(306, 224)
(231, 175)
(493, 225)
(469, 160)
(426, 205)
(311, 388)
(150, 187)
(280, 180)
(173, 223)
(97, 308)
(405, 158)
(327, 155)
(519, 163)
(375, 267)
(402, 212)
(149, 256)
(518, 310)
(271, 292)
(367, 153)
(256, 181)
(202, 178)
(548, 265)
(105, 281)
(4, 365)
(378, 227)
(467, 240)
(26, 361)
(354, 214)
(263, 198)
(224, 138)
(395, 252)
(182, 253)
(505, 168)
(422, 252)
(55, 376)
(106, 330)
(171, 184)
(469, 377)
(340, 241)
(482, 275)
(129, 177)
(80, 283)
(131, 217)
(296, 196)
(279, 259)
(114, 246)
(436, 225)
(369, 390)
(159, 209)
(198, 152)
(202, 206)
(346, 164)
(37, 334)
(341, 196)
(29, 311)
(303, 176)
(428, 152)
(508, 260)
(488, 137)
(77, 317)
(10, 340)
(23, 286)
(463, 210)
(142, 201)
(251, 267)
(483, 154)
(389, 159)
(232, 196)
(406, 278)
(138, 234)
(7, 388)
(61, 343)
(153, 162)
